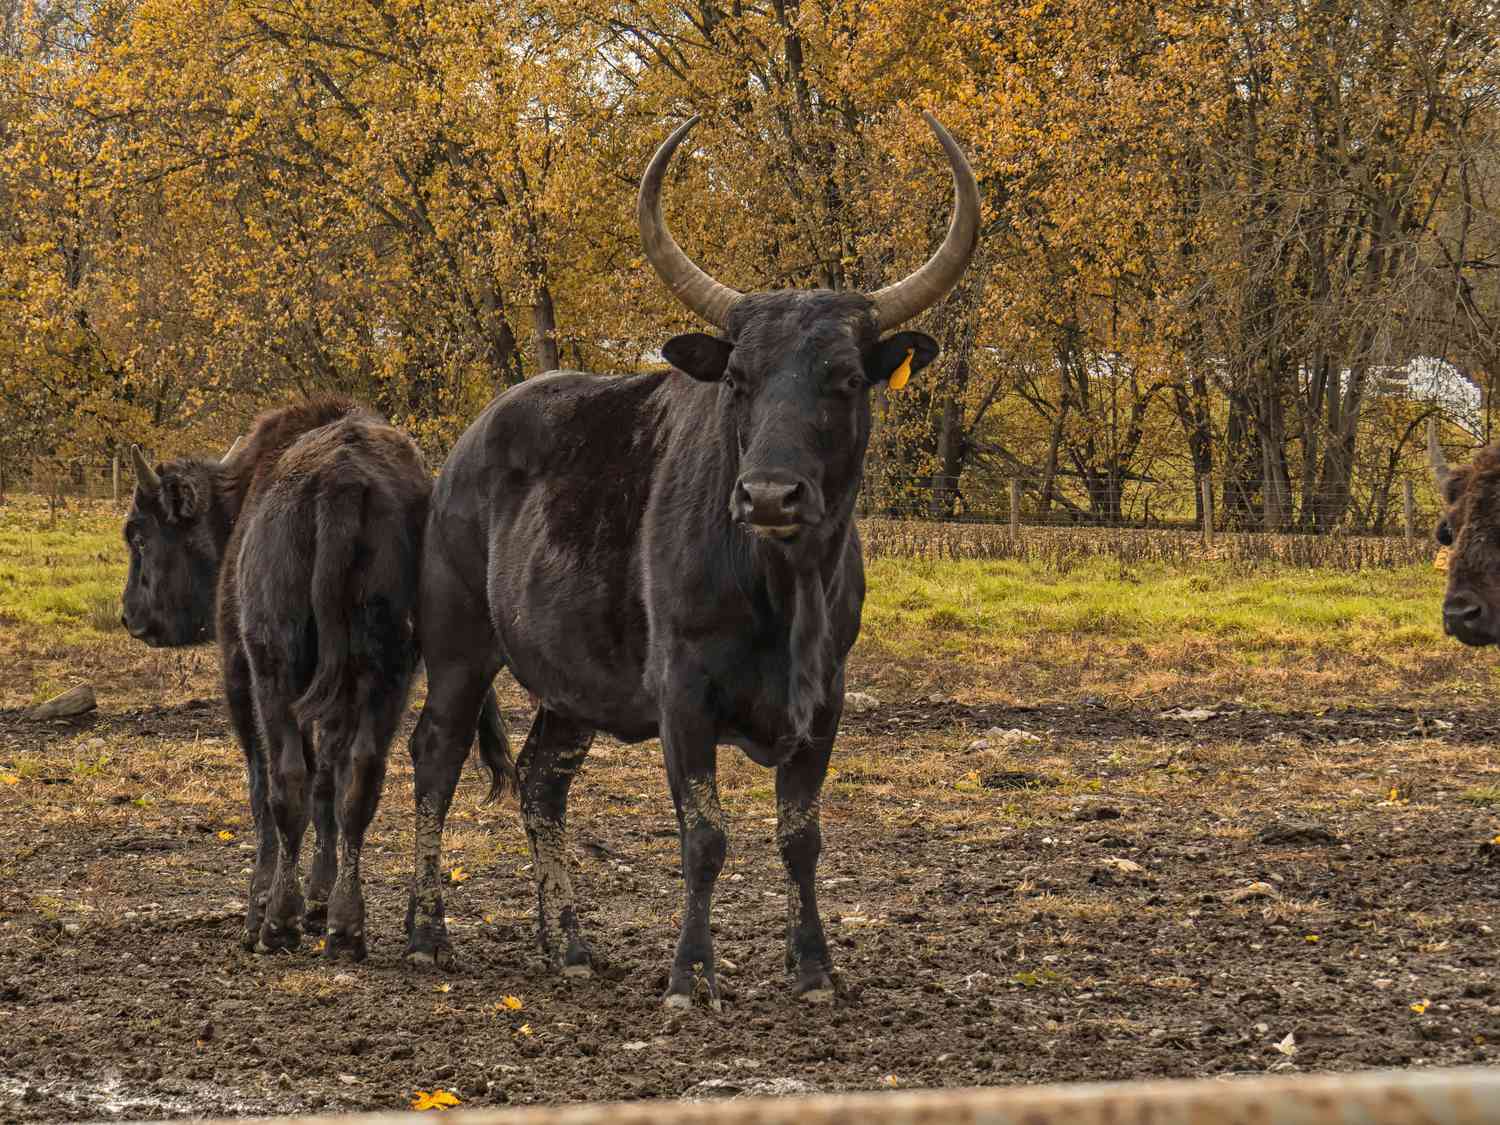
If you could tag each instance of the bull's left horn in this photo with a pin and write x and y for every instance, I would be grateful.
(898, 303)
(1440, 470)
(708, 298)
(144, 473)
(233, 449)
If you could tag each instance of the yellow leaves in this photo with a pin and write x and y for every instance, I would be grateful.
(1421, 1006)
(1312, 939)
(444, 987)
(524, 1029)
(458, 875)
(423, 1101)
(9, 779)
(890, 1081)
(512, 1003)
(225, 835)
(320, 945)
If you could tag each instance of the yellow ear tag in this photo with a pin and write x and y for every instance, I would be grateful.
(902, 373)
(1440, 562)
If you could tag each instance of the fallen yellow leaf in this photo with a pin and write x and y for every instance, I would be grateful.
(457, 875)
(524, 1029)
(514, 1003)
(444, 987)
(322, 945)
(226, 835)
(890, 1080)
(10, 779)
(1421, 1005)
(438, 1099)
(1313, 939)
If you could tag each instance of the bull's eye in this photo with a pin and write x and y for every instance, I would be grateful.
(1444, 533)
(854, 384)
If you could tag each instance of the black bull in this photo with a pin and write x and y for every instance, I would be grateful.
(665, 556)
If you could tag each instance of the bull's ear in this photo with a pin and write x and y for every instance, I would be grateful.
(891, 355)
(179, 498)
(698, 354)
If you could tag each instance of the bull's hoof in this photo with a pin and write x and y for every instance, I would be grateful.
(277, 939)
(431, 953)
(346, 946)
(815, 988)
(315, 920)
(677, 1000)
(250, 937)
(578, 972)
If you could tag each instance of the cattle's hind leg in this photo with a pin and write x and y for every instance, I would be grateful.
(555, 749)
(325, 864)
(290, 773)
(361, 775)
(800, 839)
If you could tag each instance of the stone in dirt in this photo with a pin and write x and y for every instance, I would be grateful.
(1189, 714)
(1295, 832)
(1254, 890)
(74, 701)
(713, 1089)
(858, 702)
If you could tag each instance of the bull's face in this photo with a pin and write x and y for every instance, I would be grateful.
(795, 377)
(795, 369)
(174, 556)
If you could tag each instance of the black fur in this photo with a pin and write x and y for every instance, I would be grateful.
(311, 537)
(659, 555)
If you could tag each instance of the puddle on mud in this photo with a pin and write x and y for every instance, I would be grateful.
(110, 1099)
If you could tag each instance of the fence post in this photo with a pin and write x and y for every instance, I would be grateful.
(1015, 509)
(1411, 512)
(114, 478)
(1206, 486)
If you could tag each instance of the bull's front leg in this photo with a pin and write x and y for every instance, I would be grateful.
(799, 837)
(692, 759)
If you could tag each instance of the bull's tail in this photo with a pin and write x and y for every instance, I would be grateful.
(494, 749)
(340, 518)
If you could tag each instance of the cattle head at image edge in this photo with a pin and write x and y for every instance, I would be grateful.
(1470, 529)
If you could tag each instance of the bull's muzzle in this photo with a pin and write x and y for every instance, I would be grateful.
(774, 505)
(1466, 619)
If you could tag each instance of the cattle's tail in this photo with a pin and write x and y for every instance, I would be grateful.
(340, 519)
(494, 749)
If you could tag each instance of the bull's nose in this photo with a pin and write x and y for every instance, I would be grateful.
(770, 502)
(1463, 617)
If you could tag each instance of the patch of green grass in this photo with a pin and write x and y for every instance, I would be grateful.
(1481, 794)
(66, 579)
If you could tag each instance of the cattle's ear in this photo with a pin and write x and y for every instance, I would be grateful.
(698, 354)
(890, 360)
(179, 497)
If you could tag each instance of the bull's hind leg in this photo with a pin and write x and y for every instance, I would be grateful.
(325, 864)
(439, 746)
(239, 692)
(555, 749)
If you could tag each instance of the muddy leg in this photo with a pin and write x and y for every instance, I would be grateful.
(290, 773)
(555, 749)
(361, 776)
(800, 839)
(325, 864)
(438, 749)
(237, 689)
(692, 760)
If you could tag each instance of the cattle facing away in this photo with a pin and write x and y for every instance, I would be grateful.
(311, 536)
(1470, 529)
(674, 555)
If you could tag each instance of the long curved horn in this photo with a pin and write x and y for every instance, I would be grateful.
(1440, 470)
(690, 285)
(233, 449)
(898, 303)
(144, 473)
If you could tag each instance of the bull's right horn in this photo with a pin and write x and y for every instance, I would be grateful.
(233, 449)
(1440, 470)
(144, 473)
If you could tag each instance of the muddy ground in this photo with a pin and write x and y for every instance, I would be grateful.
(1081, 893)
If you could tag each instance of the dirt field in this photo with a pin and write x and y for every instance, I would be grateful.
(1108, 894)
